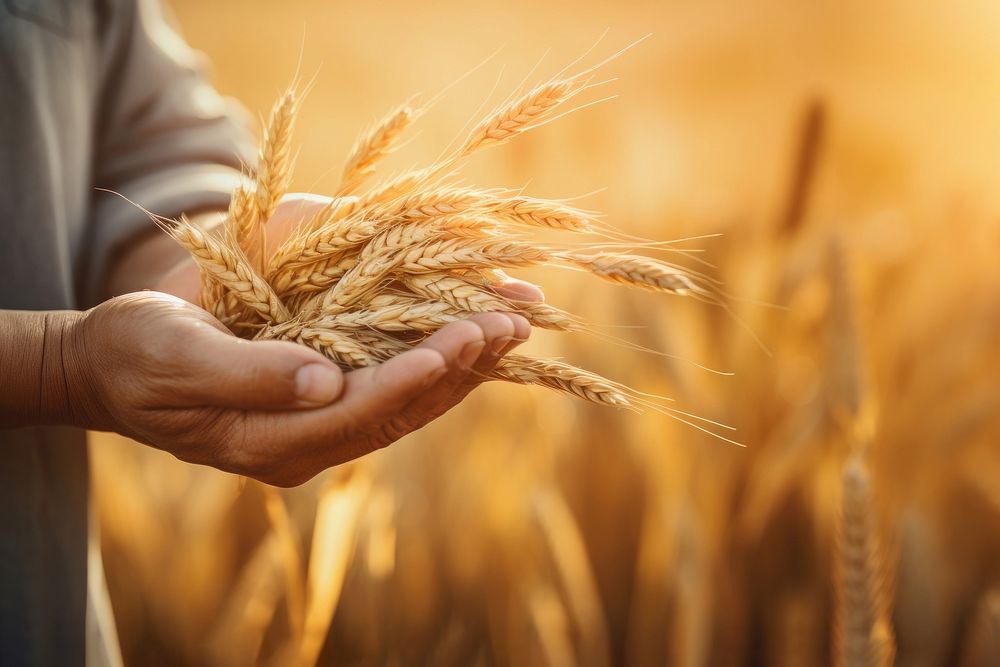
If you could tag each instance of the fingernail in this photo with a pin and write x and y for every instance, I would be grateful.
(435, 376)
(500, 344)
(470, 353)
(316, 383)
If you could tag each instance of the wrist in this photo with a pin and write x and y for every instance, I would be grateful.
(81, 393)
(33, 373)
(69, 394)
(57, 393)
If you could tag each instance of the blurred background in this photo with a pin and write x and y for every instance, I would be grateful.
(845, 153)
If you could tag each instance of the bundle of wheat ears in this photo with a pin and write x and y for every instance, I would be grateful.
(376, 271)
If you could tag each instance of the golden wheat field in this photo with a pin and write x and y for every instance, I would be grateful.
(836, 167)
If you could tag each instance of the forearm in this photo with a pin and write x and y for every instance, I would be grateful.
(144, 263)
(37, 368)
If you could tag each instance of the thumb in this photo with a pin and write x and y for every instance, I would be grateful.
(261, 375)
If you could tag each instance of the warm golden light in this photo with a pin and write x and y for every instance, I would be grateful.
(837, 162)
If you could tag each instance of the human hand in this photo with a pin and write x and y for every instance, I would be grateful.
(166, 373)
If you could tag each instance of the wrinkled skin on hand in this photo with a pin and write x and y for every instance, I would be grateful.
(162, 371)
(165, 372)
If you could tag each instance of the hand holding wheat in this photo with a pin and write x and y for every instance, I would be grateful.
(165, 373)
(367, 278)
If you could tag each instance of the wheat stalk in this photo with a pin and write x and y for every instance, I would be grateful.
(862, 632)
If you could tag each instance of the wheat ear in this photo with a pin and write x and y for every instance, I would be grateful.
(347, 349)
(634, 270)
(862, 630)
(470, 298)
(561, 377)
(274, 171)
(227, 267)
(372, 146)
(520, 115)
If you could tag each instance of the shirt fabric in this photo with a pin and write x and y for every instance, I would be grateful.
(93, 94)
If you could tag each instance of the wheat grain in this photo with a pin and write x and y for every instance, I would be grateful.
(368, 277)
(372, 146)
(519, 116)
(561, 377)
(229, 269)
(327, 264)
(274, 168)
(391, 313)
(460, 293)
(316, 252)
(471, 298)
(271, 182)
(543, 213)
(634, 270)
(349, 350)
(241, 217)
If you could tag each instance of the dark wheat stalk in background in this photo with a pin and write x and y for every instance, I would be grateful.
(862, 629)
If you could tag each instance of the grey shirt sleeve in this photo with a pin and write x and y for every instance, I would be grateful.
(164, 137)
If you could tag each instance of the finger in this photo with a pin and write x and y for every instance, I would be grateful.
(520, 290)
(498, 332)
(457, 345)
(500, 335)
(522, 331)
(225, 371)
(380, 404)
(368, 414)
(293, 446)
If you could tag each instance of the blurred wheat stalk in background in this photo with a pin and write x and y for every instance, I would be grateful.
(860, 527)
